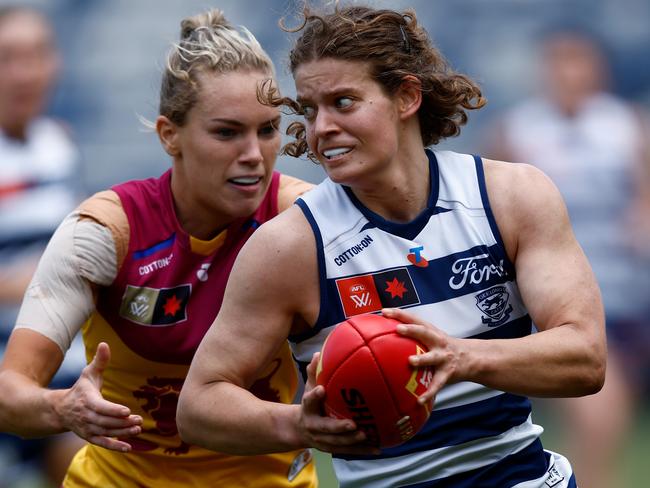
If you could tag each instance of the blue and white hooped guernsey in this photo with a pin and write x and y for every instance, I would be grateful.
(448, 266)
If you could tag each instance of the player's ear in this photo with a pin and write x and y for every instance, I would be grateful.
(168, 135)
(409, 96)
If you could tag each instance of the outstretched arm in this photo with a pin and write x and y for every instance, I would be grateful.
(55, 305)
(567, 356)
(29, 409)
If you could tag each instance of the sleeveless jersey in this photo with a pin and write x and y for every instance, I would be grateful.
(164, 298)
(448, 266)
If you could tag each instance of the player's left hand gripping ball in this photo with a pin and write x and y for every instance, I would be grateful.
(367, 377)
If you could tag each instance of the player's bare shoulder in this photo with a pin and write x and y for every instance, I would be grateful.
(286, 234)
(516, 180)
(520, 186)
(278, 266)
(522, 197)
(282, 247)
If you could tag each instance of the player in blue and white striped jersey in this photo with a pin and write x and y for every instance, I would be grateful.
(467, 252)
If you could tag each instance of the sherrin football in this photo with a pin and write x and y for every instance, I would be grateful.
(367, 378)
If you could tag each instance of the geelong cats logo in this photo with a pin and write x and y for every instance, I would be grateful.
(494, 305)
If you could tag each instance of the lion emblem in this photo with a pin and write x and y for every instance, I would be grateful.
(161, 400)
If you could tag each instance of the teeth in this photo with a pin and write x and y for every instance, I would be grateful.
(246, 180)
(330, 153)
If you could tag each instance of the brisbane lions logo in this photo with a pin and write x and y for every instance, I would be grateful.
(160, 396)
(161, 399)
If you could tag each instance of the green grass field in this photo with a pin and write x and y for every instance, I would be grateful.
(635, 468)
(635, 457)
(326, 476)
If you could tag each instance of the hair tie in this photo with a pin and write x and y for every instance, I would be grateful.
(405, 41)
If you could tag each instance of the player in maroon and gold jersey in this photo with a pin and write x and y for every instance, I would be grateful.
(141, 268)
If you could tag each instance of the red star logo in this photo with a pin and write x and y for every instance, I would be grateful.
(396, 288)
(171, 306)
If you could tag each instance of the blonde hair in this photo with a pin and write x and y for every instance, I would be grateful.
(208, 43)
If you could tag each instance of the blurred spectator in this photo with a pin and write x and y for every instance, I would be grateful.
(39, 185)
(594, 146)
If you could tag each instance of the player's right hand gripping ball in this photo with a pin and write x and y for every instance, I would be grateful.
(367, 378)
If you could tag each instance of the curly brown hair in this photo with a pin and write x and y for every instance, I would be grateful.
(395, 46)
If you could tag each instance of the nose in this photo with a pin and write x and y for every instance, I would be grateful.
(251, 151)
(324, 124)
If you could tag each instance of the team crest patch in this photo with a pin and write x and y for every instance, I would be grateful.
(155, 306)
(372, 292)
(494, 304)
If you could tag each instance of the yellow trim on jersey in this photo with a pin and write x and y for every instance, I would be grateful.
(205, 248)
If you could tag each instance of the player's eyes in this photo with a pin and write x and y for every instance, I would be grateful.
(268, 130)
(308, 112)
(224, 133)
(343, 102)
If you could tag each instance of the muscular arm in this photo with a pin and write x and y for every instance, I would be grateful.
(273, 282)
(567, 356)
(215, 410)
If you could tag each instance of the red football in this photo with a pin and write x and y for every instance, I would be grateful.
(367, 378)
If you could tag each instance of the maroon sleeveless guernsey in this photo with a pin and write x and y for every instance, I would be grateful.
(165, 297)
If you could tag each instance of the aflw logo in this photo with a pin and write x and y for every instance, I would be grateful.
(140, 306)
(155, 306)
(360, 296)
(371, 292)
(361, 300)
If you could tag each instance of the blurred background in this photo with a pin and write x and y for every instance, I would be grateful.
(112, 53)
(113, 50)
